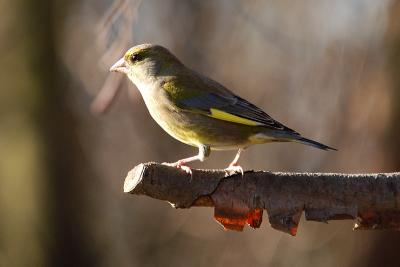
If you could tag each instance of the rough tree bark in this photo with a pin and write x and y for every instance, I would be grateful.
(373, 200)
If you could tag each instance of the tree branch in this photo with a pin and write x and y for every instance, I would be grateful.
(372, 199)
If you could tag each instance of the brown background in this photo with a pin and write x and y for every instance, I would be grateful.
(329, 69)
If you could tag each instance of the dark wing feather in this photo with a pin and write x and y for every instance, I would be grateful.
(235, 105)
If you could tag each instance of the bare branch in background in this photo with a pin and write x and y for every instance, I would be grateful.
(372, 199)
(112, 14)
(115, 36)
(107, 94)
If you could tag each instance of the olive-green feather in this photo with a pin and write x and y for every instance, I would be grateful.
(212, 99)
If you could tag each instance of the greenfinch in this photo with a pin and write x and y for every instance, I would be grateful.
(197, 110)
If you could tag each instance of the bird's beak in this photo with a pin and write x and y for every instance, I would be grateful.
(119, 66)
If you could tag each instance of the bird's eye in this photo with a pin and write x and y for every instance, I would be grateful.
(136, 58)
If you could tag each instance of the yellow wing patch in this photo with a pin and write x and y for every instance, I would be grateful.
(222, 115)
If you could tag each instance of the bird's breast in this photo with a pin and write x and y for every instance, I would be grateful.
(172, 120)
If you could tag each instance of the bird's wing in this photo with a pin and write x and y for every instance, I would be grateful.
(212, 99)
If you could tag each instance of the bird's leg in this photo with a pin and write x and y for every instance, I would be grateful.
(233, 166)
(204, 152)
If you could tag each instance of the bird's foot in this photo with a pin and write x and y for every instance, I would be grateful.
(234, 168)
(179, 165)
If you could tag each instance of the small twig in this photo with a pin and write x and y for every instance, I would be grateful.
(372, 199)
(114, 37)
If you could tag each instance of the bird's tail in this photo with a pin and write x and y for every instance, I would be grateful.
(313, 143)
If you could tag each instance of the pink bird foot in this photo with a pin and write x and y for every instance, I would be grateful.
(179, 165)
(235, 168)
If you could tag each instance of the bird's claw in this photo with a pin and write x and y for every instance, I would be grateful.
(179, 165)
(234, 168)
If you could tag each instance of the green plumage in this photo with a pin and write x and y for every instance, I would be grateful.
(197, 110)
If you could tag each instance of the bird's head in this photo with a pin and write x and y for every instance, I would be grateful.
(144, 63)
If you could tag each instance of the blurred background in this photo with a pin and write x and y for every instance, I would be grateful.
(329, 69)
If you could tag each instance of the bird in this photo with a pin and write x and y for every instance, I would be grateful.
(197, 110)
